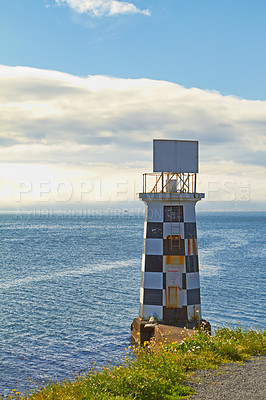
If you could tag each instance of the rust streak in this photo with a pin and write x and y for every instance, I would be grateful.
(188, 247)
(194, 245)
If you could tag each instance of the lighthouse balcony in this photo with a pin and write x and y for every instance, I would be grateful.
(171, 196)
(170, 186)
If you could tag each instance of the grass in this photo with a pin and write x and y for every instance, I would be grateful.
(157, 372)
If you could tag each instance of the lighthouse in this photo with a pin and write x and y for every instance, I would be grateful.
(170, 284)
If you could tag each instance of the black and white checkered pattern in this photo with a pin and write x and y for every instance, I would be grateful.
(170, 252)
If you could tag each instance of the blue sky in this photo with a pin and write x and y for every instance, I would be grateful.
(208, 44)
(86, 85)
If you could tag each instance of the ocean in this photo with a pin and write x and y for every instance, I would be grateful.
(69, 286)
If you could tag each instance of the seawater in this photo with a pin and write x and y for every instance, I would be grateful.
(70, 287)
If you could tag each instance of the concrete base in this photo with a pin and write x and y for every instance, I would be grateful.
(142, 331)
(171, 334)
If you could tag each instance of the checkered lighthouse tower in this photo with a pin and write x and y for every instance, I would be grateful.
(170, 286)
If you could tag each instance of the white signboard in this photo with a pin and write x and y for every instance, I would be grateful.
(174, 276)
(180, 156)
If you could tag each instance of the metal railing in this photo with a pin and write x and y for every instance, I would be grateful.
(161, 183)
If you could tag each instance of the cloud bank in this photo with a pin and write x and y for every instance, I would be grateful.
(99, 8)
(57, 128)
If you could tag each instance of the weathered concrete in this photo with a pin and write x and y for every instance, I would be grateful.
(170, 334)
(143, 331)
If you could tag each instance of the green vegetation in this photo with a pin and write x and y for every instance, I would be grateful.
(157, 372)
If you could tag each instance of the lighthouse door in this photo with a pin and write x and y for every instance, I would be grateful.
(174, 292)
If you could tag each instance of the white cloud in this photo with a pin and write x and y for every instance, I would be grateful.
(99, 8)
(55, 126)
